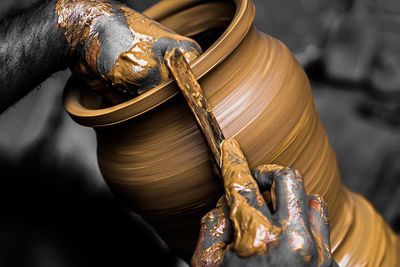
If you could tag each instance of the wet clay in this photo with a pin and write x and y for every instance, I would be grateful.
(296, 231)
(254, 232)
(85, 24)
(77, 18)
(140, 57)
(210, 250)
(154, 158)
(194, 96)
(318, 214)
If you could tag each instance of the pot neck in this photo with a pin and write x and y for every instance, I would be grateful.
(236, 31)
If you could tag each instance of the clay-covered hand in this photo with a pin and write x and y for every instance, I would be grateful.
(122, 48)
(282, 227)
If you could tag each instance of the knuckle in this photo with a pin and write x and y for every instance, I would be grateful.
(287, 174)
(318, 203)
(268, 168)
(296, 173)
(292, 176)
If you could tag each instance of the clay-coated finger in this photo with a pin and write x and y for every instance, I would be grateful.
(291, 198)
(237, 176)
(319, 222)
(264, 176)
(216, 233)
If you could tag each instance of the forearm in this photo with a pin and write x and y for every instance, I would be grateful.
(32, 47)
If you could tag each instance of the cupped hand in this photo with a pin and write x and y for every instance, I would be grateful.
(282, 227)
(116, 48)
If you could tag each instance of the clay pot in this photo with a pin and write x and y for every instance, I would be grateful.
(154, 158)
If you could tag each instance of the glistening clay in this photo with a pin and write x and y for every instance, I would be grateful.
(154, 158)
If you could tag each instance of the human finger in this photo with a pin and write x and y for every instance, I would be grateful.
(237, 176)
(319, 222)
(251, 219)
(215, 234)
(291, 198)
(188, 47)
(264, 176)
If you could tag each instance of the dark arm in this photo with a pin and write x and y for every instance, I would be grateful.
(32, 47)
(116, 50)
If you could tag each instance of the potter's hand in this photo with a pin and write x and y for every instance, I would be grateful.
(244, 231)
(118, 46)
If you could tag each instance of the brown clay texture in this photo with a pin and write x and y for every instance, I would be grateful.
(155, 159)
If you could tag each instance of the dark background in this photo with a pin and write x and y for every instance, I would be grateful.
(55, 209)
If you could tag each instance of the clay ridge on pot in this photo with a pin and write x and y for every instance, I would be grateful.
(154, 158)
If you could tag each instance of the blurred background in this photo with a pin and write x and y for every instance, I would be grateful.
(55, 209)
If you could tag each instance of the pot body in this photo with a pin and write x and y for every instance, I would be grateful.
(158, 162)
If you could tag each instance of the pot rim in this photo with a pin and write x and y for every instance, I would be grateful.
(217, 52)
